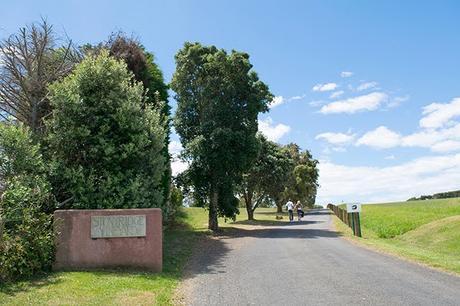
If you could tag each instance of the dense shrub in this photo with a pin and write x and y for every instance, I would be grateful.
(105, 141)
(27, 241)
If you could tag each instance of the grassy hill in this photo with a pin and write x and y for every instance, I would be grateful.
(427, 231)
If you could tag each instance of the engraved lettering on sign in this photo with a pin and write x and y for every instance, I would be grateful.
(118, 226)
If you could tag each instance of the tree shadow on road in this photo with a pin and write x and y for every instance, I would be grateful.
(210, 254)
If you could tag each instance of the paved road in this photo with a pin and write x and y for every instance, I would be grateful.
(308, 264)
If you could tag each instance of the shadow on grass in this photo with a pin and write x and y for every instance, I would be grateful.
(27, 284)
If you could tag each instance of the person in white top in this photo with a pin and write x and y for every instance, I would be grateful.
(290, 208)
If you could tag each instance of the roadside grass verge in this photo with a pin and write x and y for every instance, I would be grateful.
(425, 231)
(122, 287)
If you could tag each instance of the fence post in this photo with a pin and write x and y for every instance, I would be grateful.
(358, 225)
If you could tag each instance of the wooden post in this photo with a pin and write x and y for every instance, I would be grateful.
(352, 223)
(358, 227)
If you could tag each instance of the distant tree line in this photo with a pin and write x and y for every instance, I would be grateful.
(441, 195)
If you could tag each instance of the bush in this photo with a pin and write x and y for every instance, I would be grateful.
(27, 242)
(175, 203)
(106, 142)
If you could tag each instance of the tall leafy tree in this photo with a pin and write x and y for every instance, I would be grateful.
(219, 98)
(302, 183)
(106, 142)
(267, 176)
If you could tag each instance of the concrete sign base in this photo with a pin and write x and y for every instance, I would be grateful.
(109, 238)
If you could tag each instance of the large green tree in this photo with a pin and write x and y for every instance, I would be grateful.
(105, 141)
(142, 64)
(219, 98)
(267, 176)
(302, 183)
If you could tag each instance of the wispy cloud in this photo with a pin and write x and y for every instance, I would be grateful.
(367, 102)
(396, 101)
(346, 74)
(336, 94)
(325, 87)
(367, 85)
(279, 100)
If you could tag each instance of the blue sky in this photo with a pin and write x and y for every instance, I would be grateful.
(369, 87)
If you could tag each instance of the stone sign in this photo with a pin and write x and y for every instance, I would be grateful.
(118, 226)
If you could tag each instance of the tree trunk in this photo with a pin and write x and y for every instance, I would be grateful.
(250, 213)
(213, 222)
(248, 202)
(279, 207)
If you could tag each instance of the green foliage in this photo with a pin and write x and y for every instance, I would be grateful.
(175, 202)
(266, 178)
(142, 64)
(27, 244)
(106, 143)
(219, 98)
(302, 183)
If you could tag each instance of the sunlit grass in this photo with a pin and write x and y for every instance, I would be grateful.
(427, 231)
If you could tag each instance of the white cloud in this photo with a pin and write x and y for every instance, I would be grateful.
(367, 102)
(177, 165)
(271, 131)
(380, 138)
(425, 175)
(446, 146)
(325, 87)
(441, 140)
(440, 114)
(336, 94)
(346, 74)
(390, 157)
(175, 147)
(278, 100)
(367, 85)
(336, 138)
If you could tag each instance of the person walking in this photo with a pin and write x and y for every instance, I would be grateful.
(300, 213)
(290, 209)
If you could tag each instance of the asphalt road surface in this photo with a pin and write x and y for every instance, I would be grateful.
(308, 264)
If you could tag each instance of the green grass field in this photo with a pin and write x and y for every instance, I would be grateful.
(124, 287)
(426, 231)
